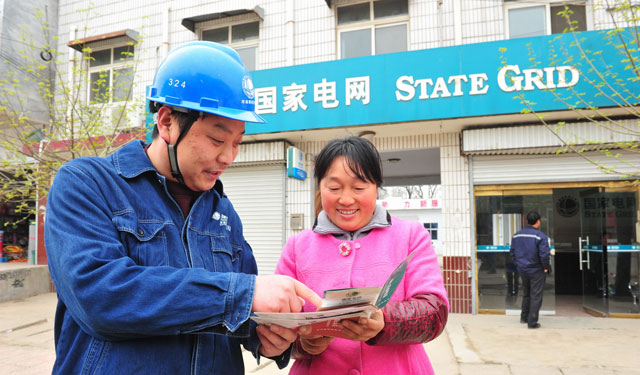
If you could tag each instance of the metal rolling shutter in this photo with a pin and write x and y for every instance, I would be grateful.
(511, 169)
(257, 193)
(526, 154)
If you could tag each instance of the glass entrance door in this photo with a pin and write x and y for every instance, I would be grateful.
(498, 216)
(609, 251)
(592, 252)
(621, 225)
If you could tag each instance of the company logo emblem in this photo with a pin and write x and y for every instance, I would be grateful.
(222, 219)
(247, 87)
(567, 206)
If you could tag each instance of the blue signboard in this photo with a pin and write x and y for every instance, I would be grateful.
(612, 248)
(149, 122)
(461, 81)
(295, 163)
(498, 248)
(492, 248)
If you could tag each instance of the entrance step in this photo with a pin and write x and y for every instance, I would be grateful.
(20, 280)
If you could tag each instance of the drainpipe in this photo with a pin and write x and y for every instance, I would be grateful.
(35, 239)
(472, 221)
(71, 67)
(289, 30)
(440, 23)
(457, 22)
(164, 46)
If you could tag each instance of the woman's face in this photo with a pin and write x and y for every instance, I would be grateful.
(348, 201)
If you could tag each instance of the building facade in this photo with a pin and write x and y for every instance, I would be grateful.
(447, 91)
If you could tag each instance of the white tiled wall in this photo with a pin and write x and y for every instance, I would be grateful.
(432, 24)
(482, 21)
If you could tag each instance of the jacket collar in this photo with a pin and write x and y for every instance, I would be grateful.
(324, 225)
(131, 161)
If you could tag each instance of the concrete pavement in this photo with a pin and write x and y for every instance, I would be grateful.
(471, 344)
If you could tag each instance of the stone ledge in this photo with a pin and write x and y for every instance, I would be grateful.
(20, 280)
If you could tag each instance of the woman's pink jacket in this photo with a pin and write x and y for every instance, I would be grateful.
(316, 260)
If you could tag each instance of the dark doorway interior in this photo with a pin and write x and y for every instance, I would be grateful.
(567, 273)
(566, 231)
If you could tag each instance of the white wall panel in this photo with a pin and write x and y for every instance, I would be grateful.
(261, 152)
(300, 198)
(482, 21)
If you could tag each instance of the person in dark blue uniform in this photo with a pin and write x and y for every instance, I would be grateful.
(530, 252)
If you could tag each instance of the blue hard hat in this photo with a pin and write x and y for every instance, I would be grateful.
(206, 77)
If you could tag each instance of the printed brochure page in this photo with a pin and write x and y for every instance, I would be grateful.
(338, 304)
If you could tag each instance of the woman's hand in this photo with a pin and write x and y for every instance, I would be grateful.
(313, 344)
(274, 340)
(363, 329)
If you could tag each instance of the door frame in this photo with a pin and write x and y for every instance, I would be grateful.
(543, 189)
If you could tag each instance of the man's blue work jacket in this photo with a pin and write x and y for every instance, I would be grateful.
(141, 289)
(530, 251)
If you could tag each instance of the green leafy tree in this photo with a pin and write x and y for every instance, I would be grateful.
(614, 76)
(54, 109)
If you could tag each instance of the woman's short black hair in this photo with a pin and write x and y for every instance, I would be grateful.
(361, 157)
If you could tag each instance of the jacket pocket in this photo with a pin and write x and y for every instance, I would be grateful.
(146, 240)
(225, 255)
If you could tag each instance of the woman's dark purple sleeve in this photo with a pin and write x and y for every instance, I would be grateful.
(418, 320)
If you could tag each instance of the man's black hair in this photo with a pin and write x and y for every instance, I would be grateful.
(361, 157)
(533, 217)
(183, 118)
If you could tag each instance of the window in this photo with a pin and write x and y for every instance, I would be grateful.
(577, 15)
(526, 18)
(241, 37)
(433, 230)
(373, 28)
(110, 75)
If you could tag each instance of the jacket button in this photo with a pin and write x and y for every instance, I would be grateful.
(140, 232)
(354, 372)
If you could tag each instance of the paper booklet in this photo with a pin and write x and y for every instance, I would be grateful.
(338, 304)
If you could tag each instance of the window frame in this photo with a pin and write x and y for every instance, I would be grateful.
(111, 67)
(547, 8)
(255, 43)
(371, 24)
(432, 227)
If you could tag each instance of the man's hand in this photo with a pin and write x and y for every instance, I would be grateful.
(274, 340)
(279, 293)
(313, 344)
(363, 329)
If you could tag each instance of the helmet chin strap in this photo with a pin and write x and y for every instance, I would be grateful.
(173, 162)
(173, 149)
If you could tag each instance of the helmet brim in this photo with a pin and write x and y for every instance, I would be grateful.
(234, 114)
